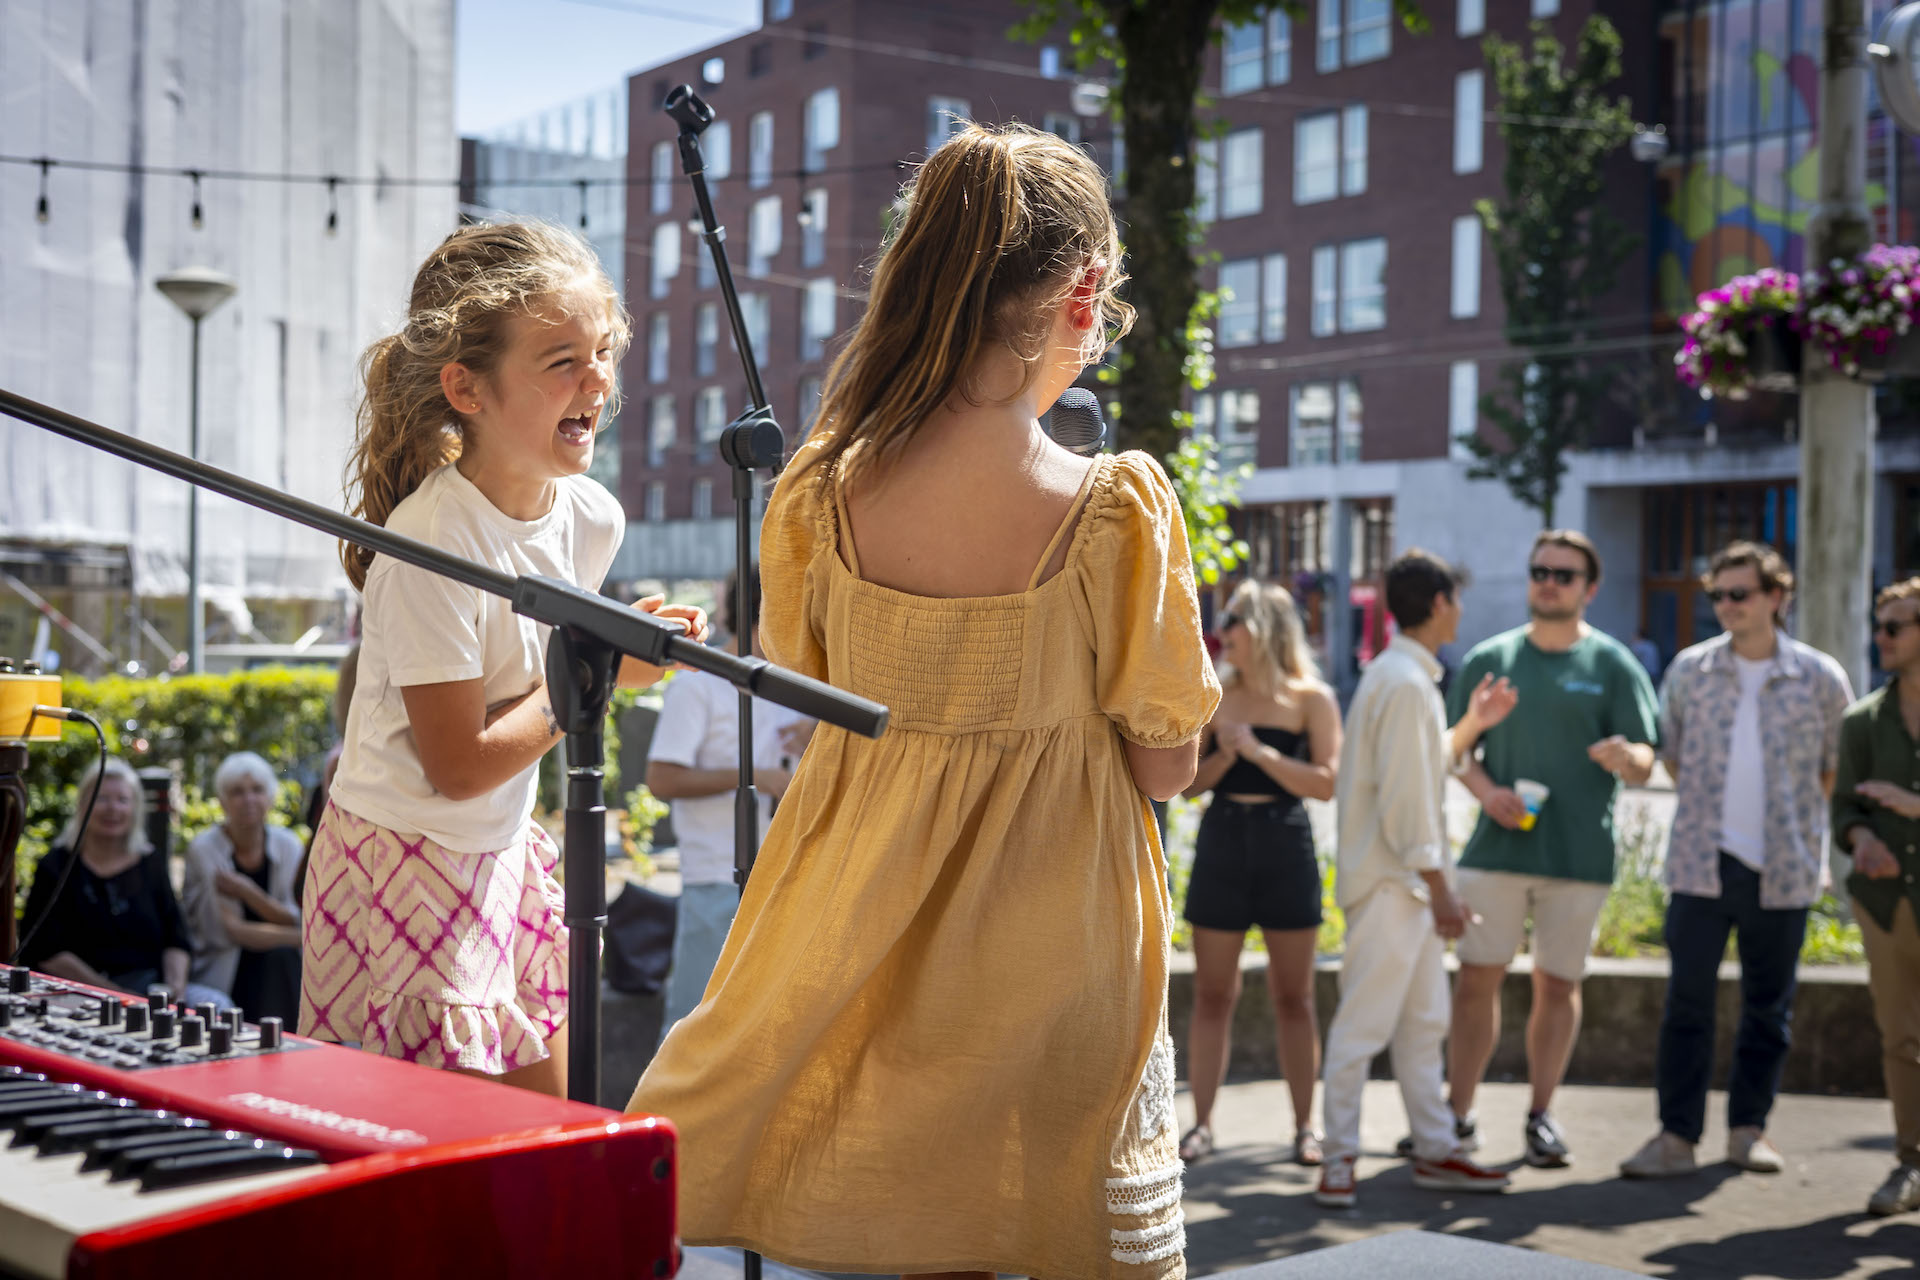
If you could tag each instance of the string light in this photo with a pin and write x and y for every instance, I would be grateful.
(199, 218)
(583, 204)
(40, 211)
(333, 206)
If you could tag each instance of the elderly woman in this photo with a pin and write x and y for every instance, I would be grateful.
(115, 921)
(239, 894)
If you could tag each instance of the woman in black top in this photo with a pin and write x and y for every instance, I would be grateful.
(1273, 742)
(116, 922)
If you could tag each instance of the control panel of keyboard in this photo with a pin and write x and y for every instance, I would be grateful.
(126, 1033)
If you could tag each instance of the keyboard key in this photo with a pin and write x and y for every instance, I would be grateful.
(133, 1162)
(186, 1170)
(81, 1135)
(105, 1152)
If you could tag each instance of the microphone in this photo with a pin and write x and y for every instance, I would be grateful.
(1075, 423)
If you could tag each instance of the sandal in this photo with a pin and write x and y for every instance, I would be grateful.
(1306, 1148)
(1196, 1143)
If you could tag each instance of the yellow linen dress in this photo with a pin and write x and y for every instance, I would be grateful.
(936, 1038)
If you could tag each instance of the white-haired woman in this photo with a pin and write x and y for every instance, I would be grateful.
(115, 922)
(239, 891)
(1273, 743)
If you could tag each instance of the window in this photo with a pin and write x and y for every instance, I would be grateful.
(760, 149)
(1273, 299)
(757, 315)
(1546, 8)
(705, 274)
(1240, 163)
(659, 335)
(661, 429)
(656, 502)
(1062, 125)
(813, 228)
(717, 147)
(662, 177)
(1350, 420)
(1242, 56)
(779, 10)
(1326, 291)
(1310, 432)
(1279, 47)
(822, 128)
(1049, 60)
(760, 59)
(1369, 35)
(1466, 266)
(944, 119)
(1472, 17)
(763, 235)
(1326, 55)
(1463, 408)
(809, 403)
(1316, 158)
(1240, 303)
(666, 257)
(709, 417)
(1206, 178)
(1363, 285)
(816, 318)
(1353, 151)
(706, 339)
(1469, 121)
(703, 498)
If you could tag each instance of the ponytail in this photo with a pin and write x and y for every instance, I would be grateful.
(406, 432)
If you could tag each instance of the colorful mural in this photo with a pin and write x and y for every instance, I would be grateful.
(1743, 103)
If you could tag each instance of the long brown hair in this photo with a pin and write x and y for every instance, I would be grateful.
(463, 295)
(997, 228)
(1273, 623)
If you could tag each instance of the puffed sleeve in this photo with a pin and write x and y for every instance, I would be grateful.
(796, 535)
(1153, 675)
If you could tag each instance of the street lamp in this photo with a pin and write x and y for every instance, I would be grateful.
(196, 291)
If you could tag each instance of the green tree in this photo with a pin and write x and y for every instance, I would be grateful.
(1558, 252)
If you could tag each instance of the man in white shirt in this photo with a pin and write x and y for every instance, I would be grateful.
(1393, 884)
(694, 765)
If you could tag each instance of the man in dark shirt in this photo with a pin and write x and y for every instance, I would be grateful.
(1876, 817)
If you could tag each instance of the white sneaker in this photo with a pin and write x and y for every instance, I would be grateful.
(1336, 1184)
(1666, 1155)
(1748, 1148)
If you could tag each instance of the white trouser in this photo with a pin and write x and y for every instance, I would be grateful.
(1393, 993)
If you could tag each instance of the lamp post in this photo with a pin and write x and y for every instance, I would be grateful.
(196, 291)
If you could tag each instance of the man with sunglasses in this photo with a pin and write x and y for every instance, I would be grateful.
(1586, 718)
(1750, 730)
(1876, 819)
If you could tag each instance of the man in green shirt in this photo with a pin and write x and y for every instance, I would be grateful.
(1876, 818)
(1586, 719)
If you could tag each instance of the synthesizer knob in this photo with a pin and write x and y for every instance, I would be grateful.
(19, 980)
(209, 1012)
(6, 1014)
(158, 998)
(192, 1031)
(269, 1033)
(220, 1038)
(233, 1017)
(163, 1024)
(137, 1018)
(109, 1011)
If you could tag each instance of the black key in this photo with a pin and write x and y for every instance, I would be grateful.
(27, 1130)
(133, 1162)
(107, 1150)
(185, 1171)
(35, 1089)
(12, 1075)
(13, 1110)
(65, 1138)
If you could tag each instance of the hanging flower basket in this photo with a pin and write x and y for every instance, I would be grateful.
(1861, 313)
(1742, 337)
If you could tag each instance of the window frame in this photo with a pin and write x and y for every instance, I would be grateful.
(1243, 199)
(1351, 298)
(1470, 121)
(1463, 292)
(1324, 176)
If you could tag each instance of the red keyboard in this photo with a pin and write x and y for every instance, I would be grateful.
(144, 1139)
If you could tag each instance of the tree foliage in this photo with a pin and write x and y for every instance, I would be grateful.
(1558, 252)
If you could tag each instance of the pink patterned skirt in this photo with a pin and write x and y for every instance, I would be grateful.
(416, 951)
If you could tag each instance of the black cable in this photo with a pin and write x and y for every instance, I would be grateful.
(79, 836)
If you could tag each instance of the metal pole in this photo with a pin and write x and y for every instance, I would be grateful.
(196, 647)
(1837, 421)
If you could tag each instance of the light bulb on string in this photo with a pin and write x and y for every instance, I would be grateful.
(40, 211)
(199, 217)
(333, 206)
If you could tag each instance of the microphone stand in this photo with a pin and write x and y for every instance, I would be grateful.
(749, 443)
(588, 633)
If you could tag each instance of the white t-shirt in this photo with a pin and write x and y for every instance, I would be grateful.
(699, 728)
(420, 628)
(1743, 801)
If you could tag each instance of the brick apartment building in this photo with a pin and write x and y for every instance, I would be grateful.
(1365, 319)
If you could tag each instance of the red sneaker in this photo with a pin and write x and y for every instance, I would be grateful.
(1457, 1173)
(1336, 1184)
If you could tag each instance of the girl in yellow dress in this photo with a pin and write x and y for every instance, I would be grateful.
(936, 1039)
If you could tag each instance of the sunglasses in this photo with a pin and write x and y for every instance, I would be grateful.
(1736, 594)
(1892, 627)
(1559, 577)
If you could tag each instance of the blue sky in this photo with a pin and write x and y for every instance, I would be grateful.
(515, 57)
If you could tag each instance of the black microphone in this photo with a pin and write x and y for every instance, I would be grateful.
(1075, 423)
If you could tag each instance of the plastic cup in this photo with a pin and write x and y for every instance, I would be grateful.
(1534, 796)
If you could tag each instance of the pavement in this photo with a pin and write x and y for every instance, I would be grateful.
(1248, 1204)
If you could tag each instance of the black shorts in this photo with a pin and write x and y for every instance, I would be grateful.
(1253, 864)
